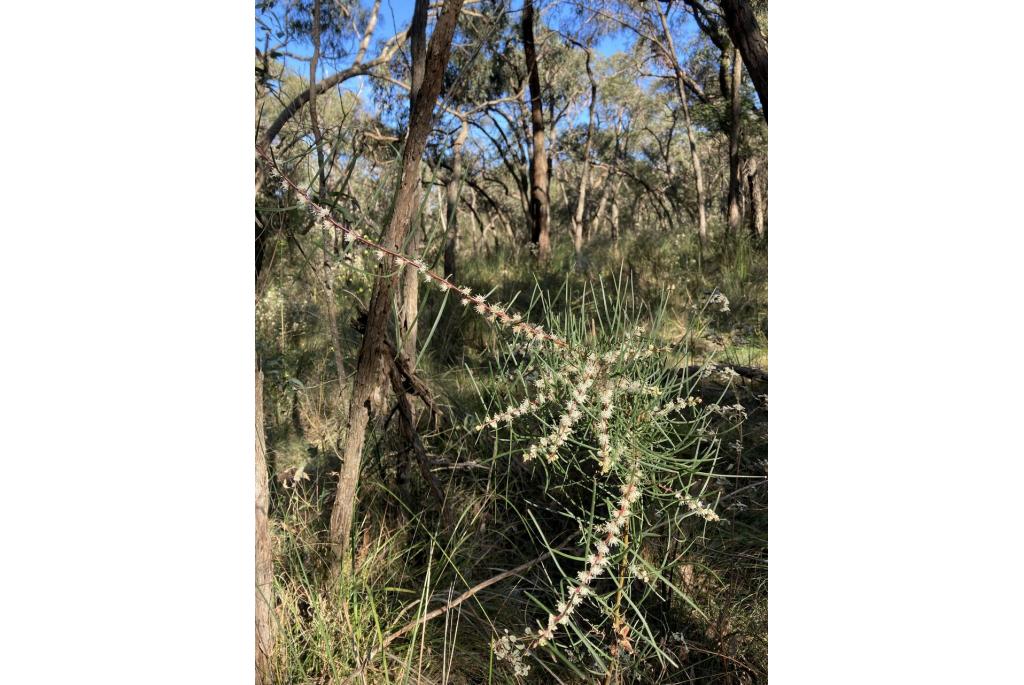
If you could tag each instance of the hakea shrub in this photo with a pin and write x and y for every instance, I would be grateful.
(606, 408)
(610, 411)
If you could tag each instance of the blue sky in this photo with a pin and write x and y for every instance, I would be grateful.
(398, 13)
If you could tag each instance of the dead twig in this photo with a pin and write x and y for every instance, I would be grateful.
(412, 435)
(443, 610)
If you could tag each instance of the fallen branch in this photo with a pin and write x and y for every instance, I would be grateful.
(443, 610)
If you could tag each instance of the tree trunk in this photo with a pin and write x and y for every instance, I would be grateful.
(615, 218)
(734, 213)
(595, 223)
(581, 201)
(264, 553)
(725, 72)
(539, 200)
(453, 347)
(746, 36)
(756, 201)
(409, 299)
(368, 369)
(451, 245)
(698, 175)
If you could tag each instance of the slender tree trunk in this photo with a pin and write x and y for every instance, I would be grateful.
(409, 292)
(581, 201)
(453, 347)
(593, 186)
(734, 212)
(746, 36)
(756, 201)
(368, 369)
(725, 72)
(698, 175)
(601, 206)
(409, 300)
(615, 218)
(539, 199)
(636, 210)
(264, 554)
(451, 246)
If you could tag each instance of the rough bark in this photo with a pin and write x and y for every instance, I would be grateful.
(539, 199)
(734, 213)
(368, 369)
(264, 555)
(746, 36)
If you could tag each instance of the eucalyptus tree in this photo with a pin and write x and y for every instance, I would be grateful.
(739, 20)
(370, 358)
(540, 201)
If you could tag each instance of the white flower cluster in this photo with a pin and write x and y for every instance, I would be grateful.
(510, 648)
(719, 300)
(604, 450)
(276, 176)
(733, 412)
(597, 562)
(725, 375)
(698, 507)
(633, 348)
(636, 387)
(630, 352)
(524, 407)
(678, 404)
(639, 572)
(550, 444)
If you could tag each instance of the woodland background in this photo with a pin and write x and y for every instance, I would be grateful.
(598, 169)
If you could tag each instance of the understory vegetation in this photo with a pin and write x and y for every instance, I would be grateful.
(555, 417)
